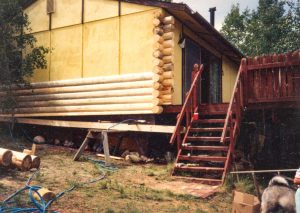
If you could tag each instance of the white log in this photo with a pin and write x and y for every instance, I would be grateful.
(88, 88)
(36, 162)
(168, 83)
(168, 74)
(168, 28)
(158, 62)
(168, 44)
(87, 108)
(157, 70)
(158, 54)
(168, 20)
(158, 39)
(157, 46)
(167, 91)
(168, 36)
(168, 51)
(94, 80)
(156, 22)
(168, 67)
(168, 59)
(158, 31)
(80, 95)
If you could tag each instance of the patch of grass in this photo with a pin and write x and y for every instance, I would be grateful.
(109, 210)
(245, 185)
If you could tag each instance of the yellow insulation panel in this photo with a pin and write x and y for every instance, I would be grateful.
(101, 48)
(67, 12)
(37, 16)
(136, 42)
(41, 75)
(100, 9)
(66, 55)
(177, 95)
(129, 8)
(229, 76)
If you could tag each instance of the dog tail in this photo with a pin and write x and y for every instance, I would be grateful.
(278, 181)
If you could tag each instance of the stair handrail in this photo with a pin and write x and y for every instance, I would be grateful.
(237, 95)
(236, 104)
(191, 103)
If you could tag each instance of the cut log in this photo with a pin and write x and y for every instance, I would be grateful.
(168, 20)
(166, 98)
(96, 94)
(158, 14)
(168, 59)
(168, 67)
(56, 114)
(157, 109)
(167, 91)
(157, 102)
(156, 22)
(21, 160)
(94, 80)
(168, 83)
(158, 54)
(158, 62)
(157, 70)
(5, 157)
(158, 31)
(157, 46)
(90, 101)
(87, 88)
(87, 108)
(168, 44)
(46, 194)
(168, 51)
(36, 162)
(168, 28)
(158, 39)
(168, 74)
(168, 36)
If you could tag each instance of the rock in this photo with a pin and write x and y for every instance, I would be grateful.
(56, 142)
(39, 139)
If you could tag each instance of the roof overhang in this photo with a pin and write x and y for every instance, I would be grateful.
(198, 24)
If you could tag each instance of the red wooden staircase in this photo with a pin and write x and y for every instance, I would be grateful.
(206, 144)
(205, 150)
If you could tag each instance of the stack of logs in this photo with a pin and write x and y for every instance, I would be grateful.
(23, 161)
(137, 93)
(163, 53)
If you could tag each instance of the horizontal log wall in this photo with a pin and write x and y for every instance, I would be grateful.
(140, 93)
(163, 53)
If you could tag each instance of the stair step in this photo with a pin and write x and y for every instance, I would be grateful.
(200, 180)
(210, 121)
(217, 129)
(206, 148)
(198, 138)
(199, 169)
(202, 158)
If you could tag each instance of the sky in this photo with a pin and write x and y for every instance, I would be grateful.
(223, 7)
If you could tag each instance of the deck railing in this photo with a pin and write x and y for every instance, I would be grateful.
(261, 80)
(189, 108)
(273, 78)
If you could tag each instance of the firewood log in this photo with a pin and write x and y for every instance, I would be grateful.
(5, 157)
(21, 160)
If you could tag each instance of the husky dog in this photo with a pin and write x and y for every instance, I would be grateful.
(278, 196)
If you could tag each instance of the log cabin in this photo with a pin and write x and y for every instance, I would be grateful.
(118, 60)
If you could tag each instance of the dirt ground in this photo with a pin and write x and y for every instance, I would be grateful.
(130, 188)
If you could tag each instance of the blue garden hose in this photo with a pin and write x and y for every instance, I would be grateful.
(40, 205)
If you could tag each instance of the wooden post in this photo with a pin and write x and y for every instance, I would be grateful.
(106, 148)
(195, 92)
(82, 147)
(256, 186)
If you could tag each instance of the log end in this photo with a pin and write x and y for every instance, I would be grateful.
(6, 158)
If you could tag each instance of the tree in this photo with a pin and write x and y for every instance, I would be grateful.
(15, 66)
(273, 27)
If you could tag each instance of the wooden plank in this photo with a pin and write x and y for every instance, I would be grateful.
(273, 65)
(82, 147)
(94, 125)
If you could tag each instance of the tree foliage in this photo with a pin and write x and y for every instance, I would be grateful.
(15, 65)
(274, 27)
